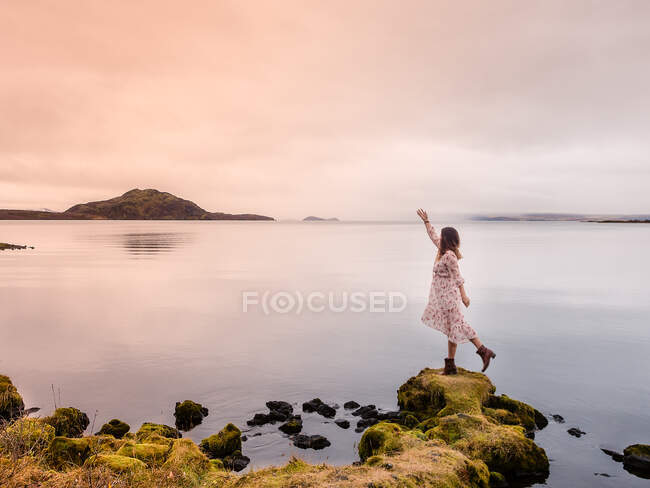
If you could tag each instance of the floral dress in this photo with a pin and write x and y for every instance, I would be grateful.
(443, 310)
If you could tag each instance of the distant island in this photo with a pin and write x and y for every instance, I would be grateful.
(312, 218)
(133, 205)
(8, 247)
(563, 217)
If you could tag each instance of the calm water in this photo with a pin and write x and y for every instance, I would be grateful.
(126, 318)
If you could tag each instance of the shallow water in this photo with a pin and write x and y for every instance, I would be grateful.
(126, 318)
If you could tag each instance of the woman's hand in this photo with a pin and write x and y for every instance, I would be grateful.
(465, 299)
(423, 215)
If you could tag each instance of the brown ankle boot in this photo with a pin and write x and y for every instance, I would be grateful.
(486, 355)
(450, 367)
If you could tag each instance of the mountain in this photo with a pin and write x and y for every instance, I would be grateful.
(133, 205)
(312, 218)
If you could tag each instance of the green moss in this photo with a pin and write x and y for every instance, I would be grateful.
(432, 394)
(374, 460)
(410, 421)
(149, 428)
(11, 403)
(65, 452)
(158, 439)
(115, 462)
(105, 444)
(186, 457)
(27, 436)
(189, 414)
(641, 450)
(68, 422)
(429, 423)
(381, 438)
(116, 428)
(497, 480)
(222, 444)
(521, 413)
(150, 454)
(503, 448)
(217, 465)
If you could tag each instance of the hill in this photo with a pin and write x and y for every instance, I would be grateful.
(133, 205)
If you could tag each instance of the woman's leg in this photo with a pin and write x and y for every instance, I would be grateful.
(451, 349)
(477, 342)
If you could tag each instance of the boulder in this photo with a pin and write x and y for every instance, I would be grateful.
(189, 414)
(67, 452)
(11, 403)
(68, 422)
(383, 438)
(150, 454)
(280, 407)
(366, 411)
(637, 457)
(576, 432)
(365, 423)
(343, 423)
(311, 442)
(326, 411)
(222, 444)
(236, 461)
(292, 426)
(115, 427)
(162, 430)
(116, 463)
(312, 405)
(351, 405)
(521, 413)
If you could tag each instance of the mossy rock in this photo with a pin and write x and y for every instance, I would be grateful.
(11, 403)
(374, 461)
(104, 444)
(189, 414)
(27, 436)
(382, 438)
(503, 448)
(217, 465)
(158, 439)
(150, 454)
(222, 444)
(162, 430)
(637, 458)
(115, 427)
(497, 480)
(65, 452)
(432, 394)
(429, 423)
(521, 413)
(68, 422)
(116, 463)
(186, 457)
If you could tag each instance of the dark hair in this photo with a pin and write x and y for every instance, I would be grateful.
(449, 241)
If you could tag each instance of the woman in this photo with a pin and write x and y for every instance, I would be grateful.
(447, 290)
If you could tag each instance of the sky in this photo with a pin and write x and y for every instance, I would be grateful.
(349, 108)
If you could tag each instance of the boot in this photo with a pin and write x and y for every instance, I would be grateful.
(450, 367)
(486, 355)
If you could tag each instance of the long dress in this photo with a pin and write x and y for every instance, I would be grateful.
(443, 310)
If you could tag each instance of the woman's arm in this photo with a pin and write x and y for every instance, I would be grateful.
(430, 230)
(454, 271)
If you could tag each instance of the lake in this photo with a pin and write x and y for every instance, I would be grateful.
(123, 319)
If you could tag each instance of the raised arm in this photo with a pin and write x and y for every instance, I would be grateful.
(430, 230)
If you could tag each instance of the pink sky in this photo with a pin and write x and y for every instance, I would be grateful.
(356, 109)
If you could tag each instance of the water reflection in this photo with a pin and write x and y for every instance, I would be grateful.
(150, 243)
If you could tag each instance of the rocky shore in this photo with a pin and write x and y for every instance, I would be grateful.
(450, 431)
(8, 247)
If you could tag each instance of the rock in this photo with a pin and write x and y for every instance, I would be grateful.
(162, 430)
(222, 444)
(11, 403)
(259, 419)
(244, 438)
(116, 463)
(186, 456)
(27, 437)
(616, 456)
(189, 414)
(281, 407)
(217, 465)
(351, 405)
(558, 418)
(344, 424)
(365, 423)
(637, 457)
(293, 426)
(363, 411)
(150, 454)
(470, 418)
(497, 480)
(236, 462)
(65, 452)
(576, 432)
(311, 442)
(410, 421)
(115, 427)
(326, 411)
(312, 405)
(382, 438)
(68, 422)
(392, 415)
(104, 444)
